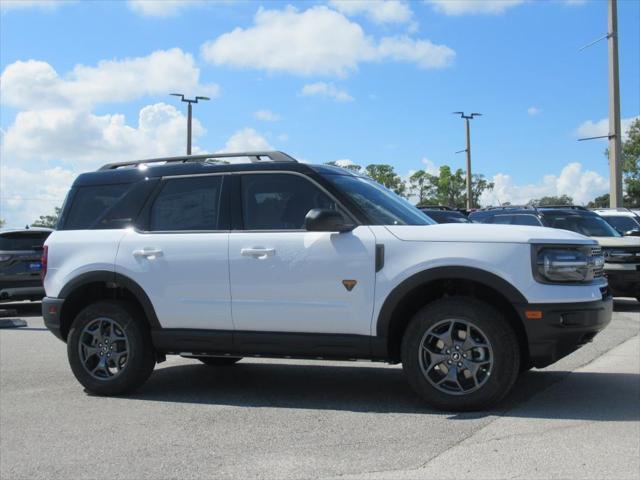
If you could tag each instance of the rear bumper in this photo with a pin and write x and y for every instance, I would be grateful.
(51, 308)
(21, 293)
(563, 328)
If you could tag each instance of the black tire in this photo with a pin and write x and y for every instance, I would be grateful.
(218, 361)
(504, 354)
(140, 356)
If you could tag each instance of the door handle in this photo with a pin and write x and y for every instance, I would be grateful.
(150, 253)
(258, 252)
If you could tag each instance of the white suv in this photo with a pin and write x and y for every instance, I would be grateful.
(216, 260)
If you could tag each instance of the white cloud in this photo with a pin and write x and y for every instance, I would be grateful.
(84, 140)
(246, 140)
(161, 8)
(582, 186)
(378, 11)
(35, 84)
(430, 167)
(266, 116)
(463, 7)
(326, 90)
(346, 162)
(601, 127)
(58, 144)
(317, 41)
(533, 111)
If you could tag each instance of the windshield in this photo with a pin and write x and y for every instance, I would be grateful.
(623, 224)
(589, 225)
(380, 204)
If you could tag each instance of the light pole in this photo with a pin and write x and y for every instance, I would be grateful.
(189, 102)
(615, 140)
(468, 150)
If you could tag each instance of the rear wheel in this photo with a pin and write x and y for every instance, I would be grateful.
(109, 348)
(219, 361)
(460, 354)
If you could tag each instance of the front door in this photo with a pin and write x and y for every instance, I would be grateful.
(285, 279)
(181, 261)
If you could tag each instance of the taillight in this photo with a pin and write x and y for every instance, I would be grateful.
(43, 262)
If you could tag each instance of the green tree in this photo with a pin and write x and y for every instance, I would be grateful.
(351, 166)
(631, 165)
(450, 187)
(2, 222)
(386, 175)
(422, 186)
(561, 200)
(599, 202)
(49, 221)
(479, 184)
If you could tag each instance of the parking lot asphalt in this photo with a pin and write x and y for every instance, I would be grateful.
(268, 418)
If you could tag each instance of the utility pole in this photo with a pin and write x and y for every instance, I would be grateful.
(189, 102)
(615, 133)
(615, 140)
(468, 150)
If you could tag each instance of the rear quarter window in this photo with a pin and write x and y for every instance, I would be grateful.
(90, 203)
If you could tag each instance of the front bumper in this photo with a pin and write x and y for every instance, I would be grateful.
(51, 308)
(563, 327)
(624, 279)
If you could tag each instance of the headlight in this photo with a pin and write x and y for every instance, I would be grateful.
(567, 263)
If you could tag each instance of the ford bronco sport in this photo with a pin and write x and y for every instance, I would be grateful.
(216, 259)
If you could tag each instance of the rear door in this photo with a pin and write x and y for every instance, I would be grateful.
(181, 257)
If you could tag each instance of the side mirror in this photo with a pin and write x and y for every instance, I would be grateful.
(325, 220)
(632, 233)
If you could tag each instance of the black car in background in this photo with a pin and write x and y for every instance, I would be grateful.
(621, 254)
(20, 264)
(445, 214)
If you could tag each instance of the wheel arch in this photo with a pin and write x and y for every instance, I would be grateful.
(426, 286)
(99, 285)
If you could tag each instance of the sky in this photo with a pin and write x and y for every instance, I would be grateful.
(85, 83)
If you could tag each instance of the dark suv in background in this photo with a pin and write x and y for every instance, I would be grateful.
(622, 254)
(20, 265)
(445, 214)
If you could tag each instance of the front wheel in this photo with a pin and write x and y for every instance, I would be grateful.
(460, 354)
(109, 348)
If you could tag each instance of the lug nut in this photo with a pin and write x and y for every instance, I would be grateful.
(449, 362)
(457, 347)
(460, 364)
(448, 351)
(464, 355)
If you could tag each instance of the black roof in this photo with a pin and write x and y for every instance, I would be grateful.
(131, 172)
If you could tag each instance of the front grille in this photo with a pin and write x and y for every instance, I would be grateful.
(598, 271)
(622, 255)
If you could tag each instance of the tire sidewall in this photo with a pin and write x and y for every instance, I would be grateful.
(140, 361)
(506, 358)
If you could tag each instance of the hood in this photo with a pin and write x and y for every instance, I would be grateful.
(618, 241)
(486, 233)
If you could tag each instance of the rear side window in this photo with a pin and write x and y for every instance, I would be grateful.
(90, 203)
(517, 219)
(191, 203)
(23, 241)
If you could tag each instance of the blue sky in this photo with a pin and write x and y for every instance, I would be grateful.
(372, 82)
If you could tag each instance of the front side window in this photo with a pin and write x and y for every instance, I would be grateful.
(280, 201)
(191, 203)
(380, 204)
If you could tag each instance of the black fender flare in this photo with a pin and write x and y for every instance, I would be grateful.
(476, 275)
(116, 280)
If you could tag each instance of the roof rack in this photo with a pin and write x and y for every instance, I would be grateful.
(512, 207)
(254, 157)
(567, 207)
(436, 207)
